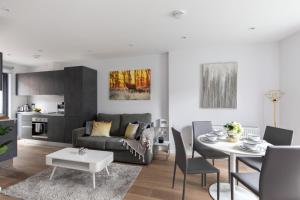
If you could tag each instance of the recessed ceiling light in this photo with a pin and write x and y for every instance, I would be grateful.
(89, 51)
(36, 56)
(184, 37)
(252, 28)
(40, 50)
(8, 54)
(178, 13)
(130, 45)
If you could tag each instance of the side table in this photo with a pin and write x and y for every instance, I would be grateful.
(162, 148)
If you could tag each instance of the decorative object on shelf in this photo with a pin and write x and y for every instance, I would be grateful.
(161, 139)
(130, 84)
(274, 96)
(3, 131)
(219, 85)
(82, 151)
(162, 129)
(234, 131)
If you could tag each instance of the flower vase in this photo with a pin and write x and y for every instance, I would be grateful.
(233, 137)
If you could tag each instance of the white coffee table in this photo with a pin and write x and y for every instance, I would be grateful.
(92, 161)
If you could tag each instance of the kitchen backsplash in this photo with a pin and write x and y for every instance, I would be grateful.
(48, 103)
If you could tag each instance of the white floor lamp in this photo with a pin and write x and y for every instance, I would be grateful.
(274, 96)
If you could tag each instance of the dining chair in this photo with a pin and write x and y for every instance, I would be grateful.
(201, 128)
(276, 181)
(274, 136)
(190, 165)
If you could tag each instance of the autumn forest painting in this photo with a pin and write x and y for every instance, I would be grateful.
(130, 84)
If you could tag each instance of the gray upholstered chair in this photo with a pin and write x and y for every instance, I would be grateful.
(273, 135)
(190, 165)
(276, 181)
(200, 128)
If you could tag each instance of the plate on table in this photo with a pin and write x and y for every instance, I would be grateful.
(258, 149)
(206, 140)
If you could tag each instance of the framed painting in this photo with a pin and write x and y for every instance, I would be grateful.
(130, 84)
(219, 85)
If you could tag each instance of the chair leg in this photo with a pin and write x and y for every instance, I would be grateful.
(213, 162)
(193, 153)
(229, 175)
(205, 180)
(237, 169)
(231, 188)
(201, 179)
(184, 180)
(218, 186)
(174, 174)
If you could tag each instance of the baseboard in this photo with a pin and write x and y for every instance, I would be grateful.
(46, 143)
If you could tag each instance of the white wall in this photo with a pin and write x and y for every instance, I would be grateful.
(289, 84)
(258, 68)
(158, 105)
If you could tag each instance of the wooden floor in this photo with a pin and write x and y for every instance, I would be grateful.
(154, 181)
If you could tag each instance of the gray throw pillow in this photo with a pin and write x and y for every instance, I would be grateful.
(142, 127)
(88, 128)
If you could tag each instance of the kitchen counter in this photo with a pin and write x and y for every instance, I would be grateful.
(42, 114)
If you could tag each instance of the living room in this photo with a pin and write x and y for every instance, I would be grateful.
(138, 87)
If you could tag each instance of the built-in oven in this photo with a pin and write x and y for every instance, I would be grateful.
(39, 127)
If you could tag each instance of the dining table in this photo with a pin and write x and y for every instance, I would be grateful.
(234, 149)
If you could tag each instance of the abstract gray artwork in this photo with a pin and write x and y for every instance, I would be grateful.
(219, 85)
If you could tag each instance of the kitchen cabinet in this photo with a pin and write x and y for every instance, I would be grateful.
(80, 98)
(24, 126)
(40, 83)
(56, 128)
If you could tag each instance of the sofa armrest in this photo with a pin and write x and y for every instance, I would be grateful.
(76, 133)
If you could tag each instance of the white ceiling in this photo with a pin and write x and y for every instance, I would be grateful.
(81, 29)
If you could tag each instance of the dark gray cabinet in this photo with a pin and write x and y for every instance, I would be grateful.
(40, 83)
(56, 128)
(79, 87)
(80, 98)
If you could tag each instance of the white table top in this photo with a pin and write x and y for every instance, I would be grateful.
(71, 154)
(229, 147)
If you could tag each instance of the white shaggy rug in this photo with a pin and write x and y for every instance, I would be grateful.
(70, 184)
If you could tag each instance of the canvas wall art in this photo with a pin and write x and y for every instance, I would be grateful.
(130, 84)
(219, 85)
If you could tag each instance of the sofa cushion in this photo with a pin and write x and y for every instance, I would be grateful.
(115, 119)
(96, 142)
(130, 118)
(114, 143)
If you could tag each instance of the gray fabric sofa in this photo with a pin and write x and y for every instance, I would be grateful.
(114, 142)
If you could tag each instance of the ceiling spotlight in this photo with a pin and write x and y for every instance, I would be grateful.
(36, 56)
(183, 37)
(178, 13)
(252, 28)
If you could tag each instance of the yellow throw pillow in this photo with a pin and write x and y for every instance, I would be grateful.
(131, 131)
(101, 129)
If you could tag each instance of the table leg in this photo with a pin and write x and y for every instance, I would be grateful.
(107, 171)
(53, 171)
(94, 180)
(233, 167)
